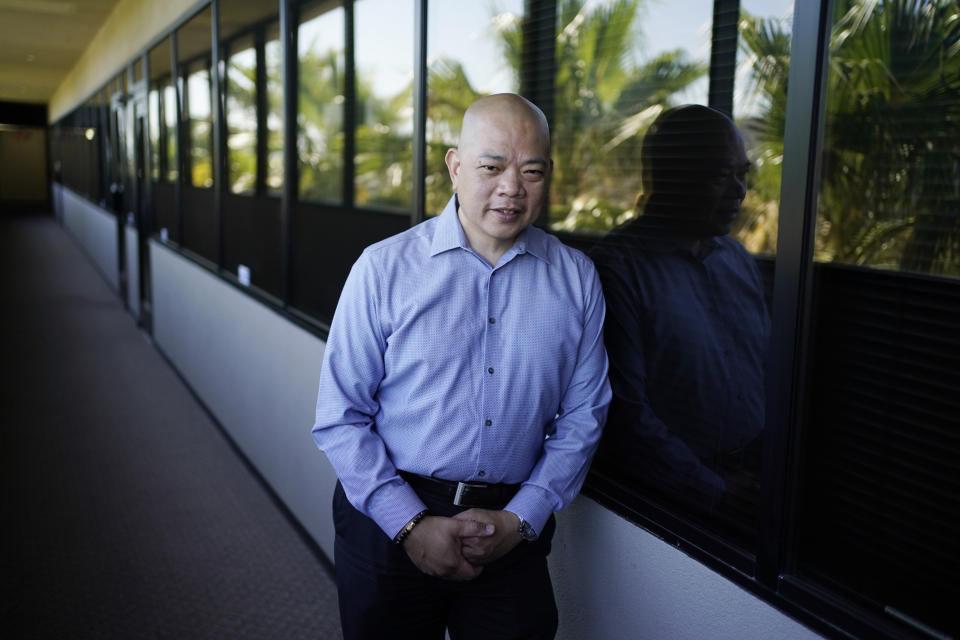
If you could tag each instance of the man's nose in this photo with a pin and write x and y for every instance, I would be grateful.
(738, 186)
(511, 183)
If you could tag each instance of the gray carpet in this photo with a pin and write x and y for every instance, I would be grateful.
(126, 512)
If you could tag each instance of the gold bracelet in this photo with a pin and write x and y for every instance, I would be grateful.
(409, 526)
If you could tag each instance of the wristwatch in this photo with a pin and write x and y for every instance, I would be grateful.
(526, 531)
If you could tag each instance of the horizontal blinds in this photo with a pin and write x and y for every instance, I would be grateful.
(882, 458)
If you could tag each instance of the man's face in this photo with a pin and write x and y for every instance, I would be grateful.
(501, 175)
(724, 187)
(702, 182)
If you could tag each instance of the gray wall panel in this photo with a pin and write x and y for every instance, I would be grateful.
(132, 256)
(96, 231)
(256, 372)
(613, 579)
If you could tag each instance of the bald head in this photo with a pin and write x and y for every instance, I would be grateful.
(502, 108)
(500, 171)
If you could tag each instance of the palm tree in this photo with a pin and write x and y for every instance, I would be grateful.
(604, 102)
(891, 151)
(449, 96)
(320, 122)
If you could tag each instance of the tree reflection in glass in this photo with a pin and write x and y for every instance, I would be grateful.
(242, 119)
(321, 104)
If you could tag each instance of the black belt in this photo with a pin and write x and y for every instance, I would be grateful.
(464, 494)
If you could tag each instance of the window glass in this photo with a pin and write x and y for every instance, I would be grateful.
(153, 130)
(193, 59)
(878, 515)
(241, 114)
(662, 183)
(618, 66)
(384, 53)
(199, 116)
(490, 32)
(170, 131)
(760, 105)
(321, 103)
(159, 58)
(273, 56)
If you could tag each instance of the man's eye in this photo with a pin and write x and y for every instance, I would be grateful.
(489, 168)
(533, 173)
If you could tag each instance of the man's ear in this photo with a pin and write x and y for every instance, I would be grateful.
(453, 165)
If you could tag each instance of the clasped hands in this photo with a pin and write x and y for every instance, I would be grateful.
(457, 548)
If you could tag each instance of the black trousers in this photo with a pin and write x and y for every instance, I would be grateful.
(383, 595)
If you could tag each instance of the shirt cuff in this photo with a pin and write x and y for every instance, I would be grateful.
(533, 505)
(393, 506)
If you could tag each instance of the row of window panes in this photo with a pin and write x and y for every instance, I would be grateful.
(384, 115)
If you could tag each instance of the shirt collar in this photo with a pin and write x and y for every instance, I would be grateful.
(449, 235)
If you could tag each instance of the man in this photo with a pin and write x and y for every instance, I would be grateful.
(687, 324)
(462, 394)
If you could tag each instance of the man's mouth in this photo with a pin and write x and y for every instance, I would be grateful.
(507, 214)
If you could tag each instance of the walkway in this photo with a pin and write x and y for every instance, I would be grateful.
(126, 512)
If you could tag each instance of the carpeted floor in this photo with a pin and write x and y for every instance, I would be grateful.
(126, 512)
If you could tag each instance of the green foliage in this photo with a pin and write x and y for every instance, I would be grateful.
(604, 103)
(892, 143)
(449, 96)
(320, 123)
(888, 193)
(242, 124)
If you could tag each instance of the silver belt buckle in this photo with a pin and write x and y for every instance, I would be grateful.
(461, 488)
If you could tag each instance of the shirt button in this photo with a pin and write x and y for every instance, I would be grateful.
(488, 422)
(490, 370)
(491, 320)
(481, 473)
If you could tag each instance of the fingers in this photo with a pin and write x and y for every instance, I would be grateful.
(434, 547)
(475, 529)
(474, 552)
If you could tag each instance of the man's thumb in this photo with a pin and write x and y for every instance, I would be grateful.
(474, 528)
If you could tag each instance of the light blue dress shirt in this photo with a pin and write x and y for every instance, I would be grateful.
(441, 365)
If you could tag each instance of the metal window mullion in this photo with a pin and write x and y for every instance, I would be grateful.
(179, 86)
(723, 54)
(538, 67)
(792, 288)
(146, 202)
(288, 55)
(217, 73)
(349, 106)
(419, 140)
(262, 107)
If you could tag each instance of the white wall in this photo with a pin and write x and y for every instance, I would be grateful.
(96, 232)
(255, 371)
(132, 257)
(615, 580)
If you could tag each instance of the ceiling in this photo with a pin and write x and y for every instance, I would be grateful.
(41, 40)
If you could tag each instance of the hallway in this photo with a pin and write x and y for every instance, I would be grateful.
(127, 513)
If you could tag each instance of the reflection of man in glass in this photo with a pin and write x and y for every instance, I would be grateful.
(687, 325)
